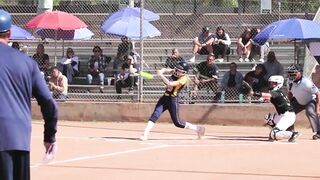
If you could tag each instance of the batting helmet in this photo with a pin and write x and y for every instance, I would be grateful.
(5, 21)
(182, 65)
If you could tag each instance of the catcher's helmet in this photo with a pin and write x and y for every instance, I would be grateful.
(277, 79)
(5, 21)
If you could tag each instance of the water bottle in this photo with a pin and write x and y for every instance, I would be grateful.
(240, 98)
(222, 98)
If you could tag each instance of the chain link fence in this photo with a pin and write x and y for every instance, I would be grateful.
(180, 21)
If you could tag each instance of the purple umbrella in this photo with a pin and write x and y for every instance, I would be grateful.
(19, 33)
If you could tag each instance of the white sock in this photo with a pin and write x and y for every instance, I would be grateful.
(191, 126)
(148, 128)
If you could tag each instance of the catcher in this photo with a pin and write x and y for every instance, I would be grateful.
(284, 118)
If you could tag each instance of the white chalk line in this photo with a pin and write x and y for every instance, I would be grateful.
(100, 156)
(152, 148)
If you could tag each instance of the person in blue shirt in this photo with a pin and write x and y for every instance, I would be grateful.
(20, 80)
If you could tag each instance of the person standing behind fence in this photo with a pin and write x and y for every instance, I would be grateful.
(304, 94)
(202, 44)
(20, 81)
(221, 44)
(173, 60)
(170, 100)
(96, 67)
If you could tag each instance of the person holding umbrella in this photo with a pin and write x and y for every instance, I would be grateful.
(20, 81)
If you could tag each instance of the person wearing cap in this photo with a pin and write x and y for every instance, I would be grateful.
(20, 81)
(221, 44)
(304, 95)
(202, 44)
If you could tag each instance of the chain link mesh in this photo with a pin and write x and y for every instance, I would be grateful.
(180, 21)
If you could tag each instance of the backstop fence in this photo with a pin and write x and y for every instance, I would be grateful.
(180, 21)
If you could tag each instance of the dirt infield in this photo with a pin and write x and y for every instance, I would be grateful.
(104, 150)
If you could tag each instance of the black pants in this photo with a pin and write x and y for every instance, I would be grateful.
(220, 49)
(129, 82)
(14, 165)
(172, 105)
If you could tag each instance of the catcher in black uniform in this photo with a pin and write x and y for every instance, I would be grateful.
(285, 117)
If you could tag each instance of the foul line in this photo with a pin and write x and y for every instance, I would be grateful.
(99, 156)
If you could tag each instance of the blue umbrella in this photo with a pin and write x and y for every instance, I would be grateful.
(289, 30)
(133, 11)
(130, 27)
(77, 34)
(19, 33)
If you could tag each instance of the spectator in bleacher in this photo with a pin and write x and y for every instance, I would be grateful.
(174, 59)
(125, 47)
(69, 65)
(244, 45)
(206, 75)
(97, 66)
(117, 65)
(257, 49)
(15, 45)
(128, 76)
(221, 44)
(42, 60)
(232, 81)
(58, 84)
(202, 44)
(273, 66)
(256, 79)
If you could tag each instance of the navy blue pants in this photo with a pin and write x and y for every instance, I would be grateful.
(172, 105)
(14, 165)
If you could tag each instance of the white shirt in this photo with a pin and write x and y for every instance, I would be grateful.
(304, 90)
(66, 60)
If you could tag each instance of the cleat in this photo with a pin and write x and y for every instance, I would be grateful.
(294, 136)
(261, 60)
(316, 137)
(240, 60)
(247, 60)
(143, 138)
(200, 132)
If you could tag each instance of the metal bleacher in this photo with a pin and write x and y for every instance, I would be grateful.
(155, 54)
